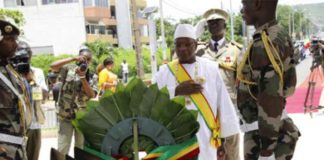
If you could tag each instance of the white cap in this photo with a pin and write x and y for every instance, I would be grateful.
(214, 14)
(185, 31)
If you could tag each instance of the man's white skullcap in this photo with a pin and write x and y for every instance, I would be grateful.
(185, 31)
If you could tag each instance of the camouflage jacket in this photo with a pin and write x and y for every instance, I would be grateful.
(226, 57)
(72, 96)
(14, 119)
(264, 101)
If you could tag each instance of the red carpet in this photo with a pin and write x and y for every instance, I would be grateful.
(295, 103)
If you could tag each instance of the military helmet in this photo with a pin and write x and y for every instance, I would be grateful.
(8, 26)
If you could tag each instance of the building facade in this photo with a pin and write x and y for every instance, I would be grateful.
(62, 26)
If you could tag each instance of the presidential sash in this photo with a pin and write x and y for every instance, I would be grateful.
(200, 102)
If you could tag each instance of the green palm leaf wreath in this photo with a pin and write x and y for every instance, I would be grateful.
(108, 124)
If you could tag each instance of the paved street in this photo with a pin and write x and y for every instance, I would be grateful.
(309, 146)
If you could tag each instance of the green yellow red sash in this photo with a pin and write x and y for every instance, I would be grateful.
(200, 102)
(186, 150)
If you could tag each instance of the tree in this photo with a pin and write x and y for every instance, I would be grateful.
(169, 29)
(17, 16)
(99, 50)
(294, 20)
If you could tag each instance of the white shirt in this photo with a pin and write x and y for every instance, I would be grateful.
(217, 96)
(219, 43)
(124, 67)
(40, 81)
(39, 78)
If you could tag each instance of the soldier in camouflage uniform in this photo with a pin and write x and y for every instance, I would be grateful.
(15, 115)
(75, 92)
(267, 76)
(225, 53)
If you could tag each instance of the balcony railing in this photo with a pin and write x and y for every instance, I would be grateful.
(139, 3)
(101, 37)
(96, 13)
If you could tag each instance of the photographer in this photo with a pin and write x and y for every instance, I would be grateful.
(74, 94)
(317, 50)
(321, 46)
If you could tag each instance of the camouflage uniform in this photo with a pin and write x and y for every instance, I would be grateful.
(14, 119)
(262, 105)
(72, 99)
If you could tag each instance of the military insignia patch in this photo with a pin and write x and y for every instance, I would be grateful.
(8, 29)
(228, 59)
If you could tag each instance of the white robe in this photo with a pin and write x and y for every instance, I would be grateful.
(217, 96)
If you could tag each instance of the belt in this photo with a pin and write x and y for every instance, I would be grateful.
(246, 127)
(7, 138)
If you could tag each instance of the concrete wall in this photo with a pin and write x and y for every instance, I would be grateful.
(61, 26)
(124, 30)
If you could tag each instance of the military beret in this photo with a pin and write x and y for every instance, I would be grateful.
(213, 14)
(8, 26)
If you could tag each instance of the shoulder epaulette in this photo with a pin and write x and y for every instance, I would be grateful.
(202, 43)
(238, 45)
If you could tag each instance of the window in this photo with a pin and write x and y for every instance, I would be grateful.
(59, 1)
(95, 29)
(87, 3)
(101, 3)
(15, 3)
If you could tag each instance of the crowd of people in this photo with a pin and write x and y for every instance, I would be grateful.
(236, 90)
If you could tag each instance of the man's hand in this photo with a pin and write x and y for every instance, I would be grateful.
(188, 88)
(221, 153)
(321, 45)
(80, 73)
(80, 58)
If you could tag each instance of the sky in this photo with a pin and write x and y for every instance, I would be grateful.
(177, 9)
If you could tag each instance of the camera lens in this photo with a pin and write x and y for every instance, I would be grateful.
(83, 67)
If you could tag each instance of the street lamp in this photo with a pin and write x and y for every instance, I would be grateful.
(164, 46)
(148, 12)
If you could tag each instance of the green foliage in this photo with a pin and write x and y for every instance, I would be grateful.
(14, 14)
(44, 61)
(102, 50)
(118, 54)
(169, 29)
(294, 18)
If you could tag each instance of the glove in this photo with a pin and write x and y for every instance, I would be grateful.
(272, 157)
(200, 27)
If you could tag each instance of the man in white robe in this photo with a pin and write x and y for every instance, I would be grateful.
(212, 87)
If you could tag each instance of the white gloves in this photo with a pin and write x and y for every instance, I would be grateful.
(200, 27)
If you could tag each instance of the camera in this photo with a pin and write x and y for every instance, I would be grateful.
(21, 62)
(83, 66)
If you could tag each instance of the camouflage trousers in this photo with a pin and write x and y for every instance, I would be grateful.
(288, 137)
